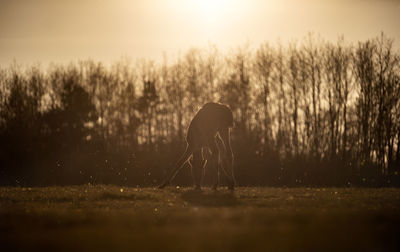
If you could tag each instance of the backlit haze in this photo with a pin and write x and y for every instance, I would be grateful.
(61, 31)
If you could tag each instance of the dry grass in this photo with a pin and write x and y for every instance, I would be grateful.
(111, 218)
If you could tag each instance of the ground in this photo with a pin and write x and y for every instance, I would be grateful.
(111, 218)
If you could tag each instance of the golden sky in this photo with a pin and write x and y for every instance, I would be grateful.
(67, 30)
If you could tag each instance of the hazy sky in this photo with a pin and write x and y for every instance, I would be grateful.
(65, 30)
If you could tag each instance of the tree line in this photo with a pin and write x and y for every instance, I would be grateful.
(307, 113)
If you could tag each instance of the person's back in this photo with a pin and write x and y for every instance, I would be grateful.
(211, 118)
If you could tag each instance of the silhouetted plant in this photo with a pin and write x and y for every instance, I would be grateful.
(310, 113)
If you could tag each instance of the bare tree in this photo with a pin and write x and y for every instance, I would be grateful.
(264, 67)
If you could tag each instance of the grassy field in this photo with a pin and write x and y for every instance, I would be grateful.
(111, 218)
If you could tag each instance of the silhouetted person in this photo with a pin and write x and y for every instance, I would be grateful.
(209, 128)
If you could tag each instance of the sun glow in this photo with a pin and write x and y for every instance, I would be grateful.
(211, 10)
(214, 20)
